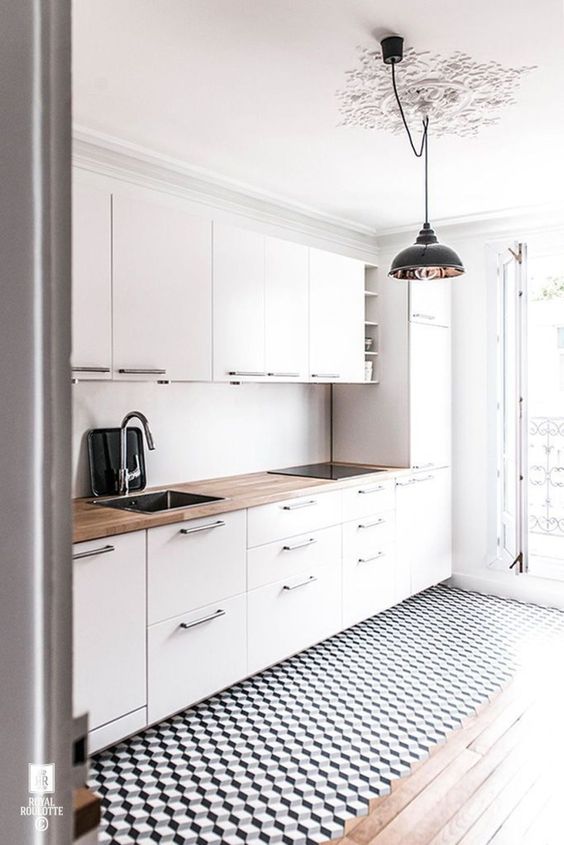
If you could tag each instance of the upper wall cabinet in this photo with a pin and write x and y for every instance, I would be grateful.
(161, 290)
(91, 280)
(238, 304)
(336, 318)
(429, 302)
(286, 310)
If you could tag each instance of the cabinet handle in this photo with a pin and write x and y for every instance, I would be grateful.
(284, 375)
(206, 527)
(186, 625)
(427, 478)
(151, 371)
(243, 373)
(102, 550)
(309, 580)
(425, 316)
(371, 489)
(405, 483)
(326, 375)
(305, 543)
(90, 369)
(371, 559)
(298, 505)
(422, 466)
(380, 521)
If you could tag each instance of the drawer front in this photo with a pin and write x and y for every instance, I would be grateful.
(109, 627)
(286, 558)
(368, 587)
(292, 614)
(368, 498)
(191, 564)
(268, 523)
(187, 664)
(365, 537)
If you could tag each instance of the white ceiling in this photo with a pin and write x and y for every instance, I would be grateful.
(246, 89)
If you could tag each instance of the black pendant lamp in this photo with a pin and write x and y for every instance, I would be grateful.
(427, 258)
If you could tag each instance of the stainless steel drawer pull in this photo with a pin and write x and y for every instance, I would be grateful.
(380, 521)
(90, 369)
(102, 550)
(244, 373)
(377, 489)
(326, 375)
(284, 375)
(205, 527)
(150, 371)
(298, 505)
(186, 625)
(422, 466)
(371, 559)
(425, 316)
(309, 580)
(427, 478)
(301, 545)
(405, 483)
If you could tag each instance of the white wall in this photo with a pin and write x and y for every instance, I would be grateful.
(208, 430)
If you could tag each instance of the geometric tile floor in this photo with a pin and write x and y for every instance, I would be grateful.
(290, 754)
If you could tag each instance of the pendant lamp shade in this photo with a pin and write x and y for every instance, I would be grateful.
(426, 259)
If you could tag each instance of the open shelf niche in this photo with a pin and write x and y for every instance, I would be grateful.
(371, 325)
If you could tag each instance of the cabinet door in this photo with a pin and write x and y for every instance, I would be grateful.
(423, 520)
(286, 310)
(162, 291)
(430, 390)
(429, 302)
(109, 627)
(336, 318)
(238, 304)
(91, 280)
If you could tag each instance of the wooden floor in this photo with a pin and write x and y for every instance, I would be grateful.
(497, 779)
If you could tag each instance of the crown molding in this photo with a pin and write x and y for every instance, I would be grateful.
(121, 159)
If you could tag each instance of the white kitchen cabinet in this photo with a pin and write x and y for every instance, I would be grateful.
(336, 318)
(430, 405)
(286, 310)
(238, 304)
(91, 279)
(369, 583)
(286, 558)
(294, 613)
(109, 628)
(423, 522)
(368, 498)
(190, 564)
(196, 654)
(429, 302)
(292, 517)
(162, 296)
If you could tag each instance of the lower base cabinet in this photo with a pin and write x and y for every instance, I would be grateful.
(368, 584)
(109, 599)
(292, 614)
(194, 655)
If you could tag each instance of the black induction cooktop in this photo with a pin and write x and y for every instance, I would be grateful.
(332, 472)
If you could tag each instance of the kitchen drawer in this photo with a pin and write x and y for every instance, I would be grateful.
(368, 587)
(292, 614)
(364, 537)
(188, 664)
(286, 558)
(276, 521)
(191, 564)
(368, 498)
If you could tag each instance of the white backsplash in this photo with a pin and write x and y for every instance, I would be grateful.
(208, 430)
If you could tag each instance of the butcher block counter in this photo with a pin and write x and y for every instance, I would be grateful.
(93, 522)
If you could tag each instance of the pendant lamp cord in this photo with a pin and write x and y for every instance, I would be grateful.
(424, 148)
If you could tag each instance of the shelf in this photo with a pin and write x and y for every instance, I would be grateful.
(369, 323)
(372, 381)
(370, 353)
(370, 293)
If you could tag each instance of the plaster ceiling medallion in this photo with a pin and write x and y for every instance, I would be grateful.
(457, 94)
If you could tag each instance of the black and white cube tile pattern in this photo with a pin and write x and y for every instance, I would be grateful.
(289, 755)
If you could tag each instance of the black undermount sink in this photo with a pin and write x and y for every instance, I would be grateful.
(163, 500)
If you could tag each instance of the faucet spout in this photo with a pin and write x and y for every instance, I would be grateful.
(124, 475)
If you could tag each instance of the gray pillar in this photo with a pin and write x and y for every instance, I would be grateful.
(35, 430)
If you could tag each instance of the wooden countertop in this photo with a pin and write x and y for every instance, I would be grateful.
(92, 522)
